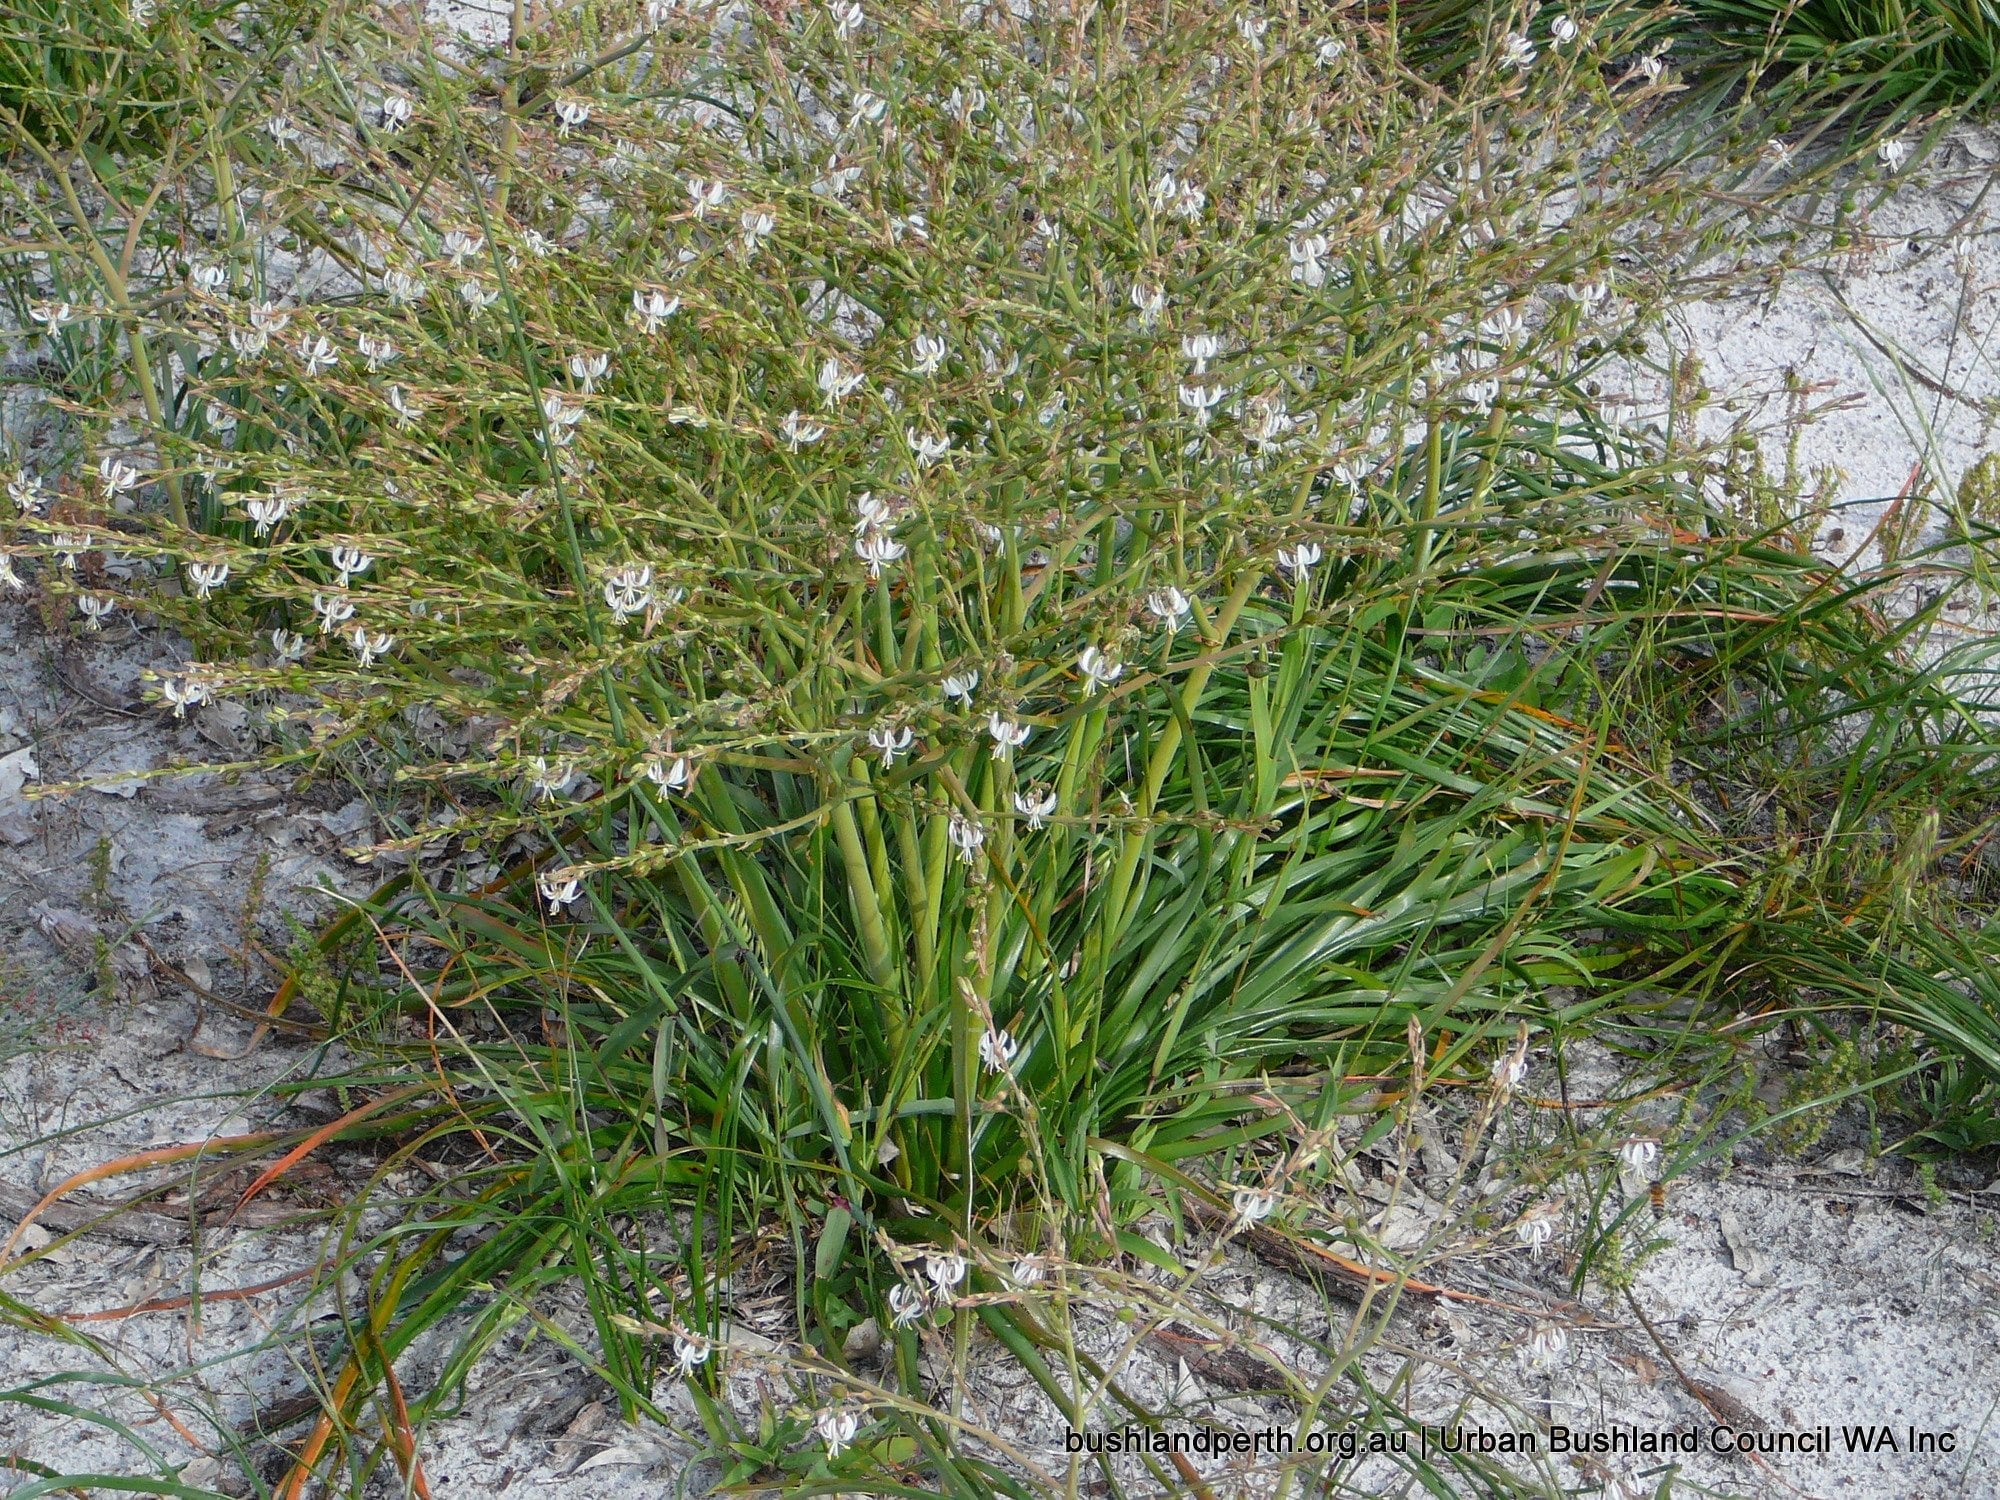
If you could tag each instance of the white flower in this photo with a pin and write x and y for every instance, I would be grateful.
(570, 113)
(1149, 301)
(1893, 153)
(907, 1305)
(207, 577)
(550, 778)
(966, 836)
(588, 369)
(332, 610)
(1652, 68)
(1273, 421)
(1535, 1232)
(1330, 51)
(1300, 560)
(1503, 324)
(1252, 1204)
(317, 354)
(799, 430)
(1510, 1071)
(927, 447)
(1035, 805)
(959, 686)
(403, 288)
(407, 408)
(1170, 607)
(396, 112)
(838, 1428)
(1200, 348)
(537, 244)
(8, 576)
(53, 314)
(1638, 1155)
(26, 491)
(68, 547)
(286, 646)
(927, 352)
(562, 418)
(847, 17)
(267, 511)
(366, 646)
(249, 342)
(691, 1352)
(376, 350)
(184, 692)
(871, 512)
(1098, 669)
(116, 476)
(965, 101)
(349, 561)
(1252, 28)
(651, 308)
(1546, 1346)
(476, 295)
(1516, 52)
(281, 129)
(757, 224)
(1308, 256)
(628, 591)
(868, 109)
(141, 12)
(674, 775)
(208, 280)
(945, 1271)
(95, 607)
(1029, 1270)
(891, 742)
(460, 245)
(997, 1050)
(835, 181)
(1008, 734)
(706, 195)
(1563, 29)
(1776, 150)
(1202, 400)
(836, 381)
(559, 888)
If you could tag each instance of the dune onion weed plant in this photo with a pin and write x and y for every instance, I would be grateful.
(991, 637)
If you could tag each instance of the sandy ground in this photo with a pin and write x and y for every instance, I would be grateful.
(1849, 1299)
(1894, 348)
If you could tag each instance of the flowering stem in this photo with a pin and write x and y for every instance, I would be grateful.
(120, 293)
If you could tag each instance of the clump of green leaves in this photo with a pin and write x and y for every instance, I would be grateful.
(1905, 55)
